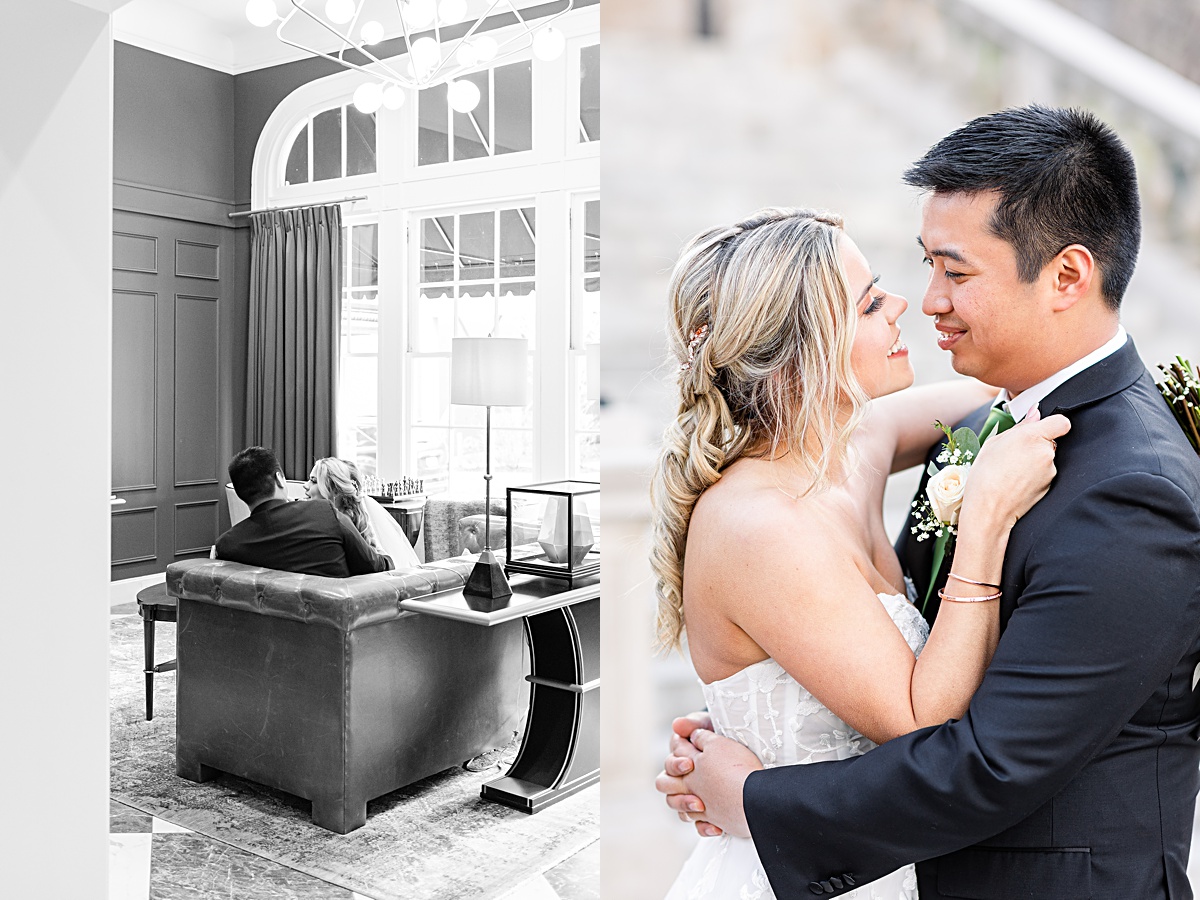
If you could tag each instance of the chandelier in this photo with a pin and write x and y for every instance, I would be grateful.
(433, 58)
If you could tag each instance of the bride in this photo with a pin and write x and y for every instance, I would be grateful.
(769, 541)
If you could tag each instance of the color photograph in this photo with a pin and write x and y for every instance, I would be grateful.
(831, 225)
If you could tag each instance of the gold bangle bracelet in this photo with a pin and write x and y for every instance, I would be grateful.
(942, 593)
(974, 582)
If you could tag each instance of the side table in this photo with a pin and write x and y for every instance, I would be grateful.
(154, 605)
(560, 750)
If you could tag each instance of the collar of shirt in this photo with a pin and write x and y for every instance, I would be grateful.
(1021, 404)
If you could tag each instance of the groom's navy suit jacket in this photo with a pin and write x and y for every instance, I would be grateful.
(1074, 772)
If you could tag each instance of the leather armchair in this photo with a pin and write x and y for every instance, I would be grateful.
(326, 689)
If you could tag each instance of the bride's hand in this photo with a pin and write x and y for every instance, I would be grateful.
(1013, 470)
(710, 793)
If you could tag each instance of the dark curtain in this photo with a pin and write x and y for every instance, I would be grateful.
(295, 306)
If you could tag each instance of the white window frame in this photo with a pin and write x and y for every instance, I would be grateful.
(400, 192)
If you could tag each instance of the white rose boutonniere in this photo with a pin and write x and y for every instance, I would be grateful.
(945, 492)
(936, 514)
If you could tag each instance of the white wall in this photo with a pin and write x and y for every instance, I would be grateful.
(56, 246)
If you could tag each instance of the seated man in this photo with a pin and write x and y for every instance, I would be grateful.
(311, 538)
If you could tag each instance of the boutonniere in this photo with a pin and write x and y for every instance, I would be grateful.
(936, 514)
(1181, 388)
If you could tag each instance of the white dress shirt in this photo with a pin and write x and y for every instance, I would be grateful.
(1021, 404)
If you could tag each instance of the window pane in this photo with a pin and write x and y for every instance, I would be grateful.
(472, 130)
(591, 236)
(517, 311)
(297, 164)
(364, 255)
(429, 395)
(514, 107)
(433, 142)
(590, 308)
(431, 459)
(437, 249)
(360, 142)
(435, 320)
(327, 145)
(477, 245)
(587, 456)
(589, 94)
(476, 315)
(516, 243)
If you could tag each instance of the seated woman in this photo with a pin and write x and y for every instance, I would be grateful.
(338, 482)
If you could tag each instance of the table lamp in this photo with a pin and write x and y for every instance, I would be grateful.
(489, 372)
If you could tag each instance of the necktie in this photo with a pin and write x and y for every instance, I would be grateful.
(998, 420)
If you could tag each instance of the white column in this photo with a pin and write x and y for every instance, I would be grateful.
(56, 239)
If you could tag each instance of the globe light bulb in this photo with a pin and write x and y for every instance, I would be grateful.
(466, 54)
(419, 13)
(339, 12)
(486, 48)
(463, 96)
(261, 13)
(451, 11)
(426, 54)
(548, 44)
(368, 97)
(372, 32)
(393, 97)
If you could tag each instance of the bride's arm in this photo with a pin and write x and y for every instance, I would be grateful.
(903, 422)
(798, 593)
(807, 605)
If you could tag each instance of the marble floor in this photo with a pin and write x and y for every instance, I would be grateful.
(153, 859)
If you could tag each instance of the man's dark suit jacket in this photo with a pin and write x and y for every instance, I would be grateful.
(309, 537)
(1075, 770)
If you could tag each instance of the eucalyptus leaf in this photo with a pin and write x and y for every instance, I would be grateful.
(967, 441)
(933, 469)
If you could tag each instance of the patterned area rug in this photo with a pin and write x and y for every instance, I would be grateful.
(435, 839)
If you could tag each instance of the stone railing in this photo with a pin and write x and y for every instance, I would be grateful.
(1009, 52)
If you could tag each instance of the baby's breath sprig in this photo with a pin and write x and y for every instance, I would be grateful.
(1181, 388)
(962, 446)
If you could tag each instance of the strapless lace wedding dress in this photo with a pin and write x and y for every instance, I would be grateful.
(766, 709)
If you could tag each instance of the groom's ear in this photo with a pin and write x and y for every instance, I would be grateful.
(1072, 273)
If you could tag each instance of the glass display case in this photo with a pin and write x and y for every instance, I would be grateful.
(553, 529)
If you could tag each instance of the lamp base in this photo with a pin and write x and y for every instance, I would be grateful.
(487, 584)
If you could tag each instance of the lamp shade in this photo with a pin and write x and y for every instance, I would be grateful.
(489, 371)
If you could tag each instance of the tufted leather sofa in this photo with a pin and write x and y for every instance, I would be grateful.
(325, 688)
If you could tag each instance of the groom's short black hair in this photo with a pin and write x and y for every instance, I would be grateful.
(252, 473)
(1063, 177)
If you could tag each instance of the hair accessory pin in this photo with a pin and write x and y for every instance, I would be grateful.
(694, 341)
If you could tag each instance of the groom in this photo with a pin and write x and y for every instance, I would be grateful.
(1074, 773)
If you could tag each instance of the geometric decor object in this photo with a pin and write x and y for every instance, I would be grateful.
(566, 515)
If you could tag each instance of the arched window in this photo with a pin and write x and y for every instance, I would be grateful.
(334, 143)
(473, 224)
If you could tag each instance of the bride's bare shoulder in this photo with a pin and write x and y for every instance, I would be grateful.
(748, 509)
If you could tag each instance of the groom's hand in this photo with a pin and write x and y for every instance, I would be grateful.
(704, 775)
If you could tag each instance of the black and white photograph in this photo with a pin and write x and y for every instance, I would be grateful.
(313, 287)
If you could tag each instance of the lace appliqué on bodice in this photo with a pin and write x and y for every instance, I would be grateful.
(766, 709)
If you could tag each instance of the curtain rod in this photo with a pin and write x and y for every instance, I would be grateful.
(250, 212)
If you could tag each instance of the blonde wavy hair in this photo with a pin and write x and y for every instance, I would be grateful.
(771, 373)
(341, 485)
